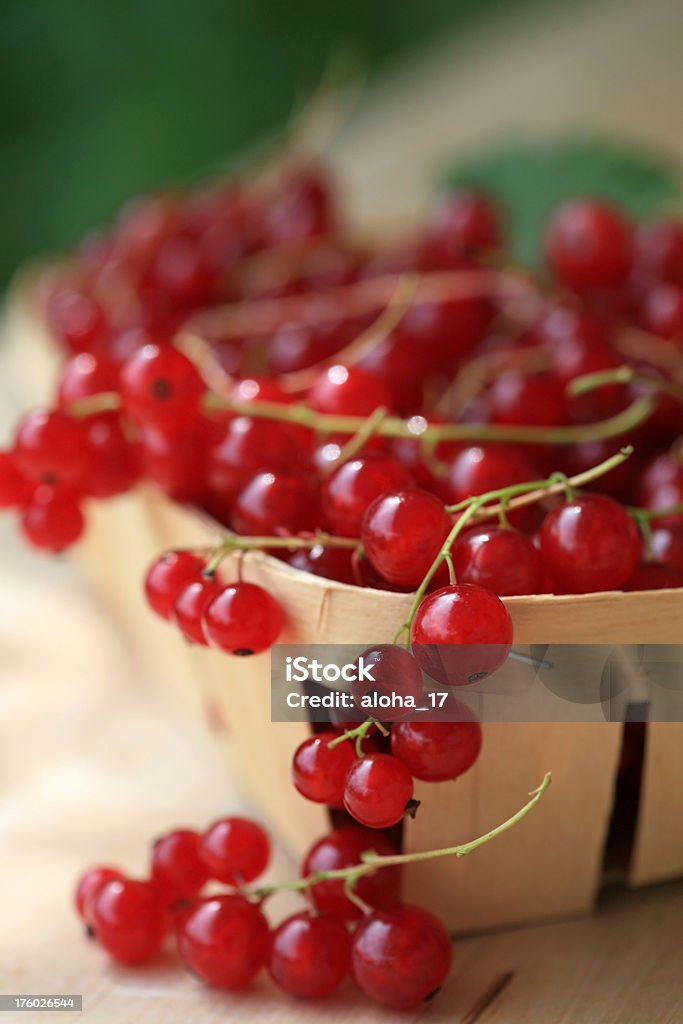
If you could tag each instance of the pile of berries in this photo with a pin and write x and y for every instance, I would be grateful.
(397, 954)
(411, 416)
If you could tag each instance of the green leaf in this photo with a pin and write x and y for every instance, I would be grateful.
(530, 178)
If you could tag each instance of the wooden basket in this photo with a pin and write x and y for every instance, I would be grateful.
(552, 864)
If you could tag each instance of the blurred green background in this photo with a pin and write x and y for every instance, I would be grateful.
(101, 99)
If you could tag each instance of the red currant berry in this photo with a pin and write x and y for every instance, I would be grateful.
(589, 544)
(15, 491)
(378, 790)
(53, 520)
(396, 676)
(400, 956)
(343, 848)
(461, 634)
(662, 312)
(177, 867)
(161, 388)
(488, 467)
(189, 609)
(50, 448)
(248, 446)
(526, 399)
(436, 751)
(667, 546)
(243, 619)
(402, 533)
(77, 319)
(504, 561)
(274, 503)
(310, 955)
(348, 391)
(399, 361)
(235, 850)
(181, 274)
(319, 771)
(330, 563)
(83, 376)
(348, 492)
(659, 245)
(224, 940)
(130, 920)
(89, 885)
(113, 459)
(166, 577)
(654, 576)
(589, 245)
(176, 463)
(466, 220)
(304, 209)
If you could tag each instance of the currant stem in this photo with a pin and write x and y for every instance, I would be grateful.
(358, 734)
(370, 861)
(237, 543)
(623, 375)
(359, 439)
(326, 423)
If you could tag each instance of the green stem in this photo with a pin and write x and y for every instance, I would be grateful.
(371, 861)
(237, 543)
(359, 439)
(391, 426)
(623, 375)
(654, 513)
(358, 734)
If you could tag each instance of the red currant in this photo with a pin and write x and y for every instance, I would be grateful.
(488, 467)
(349, 391)
(53, 520)
(436, 751)
(275, 502)
(348, 492)
(248, 446)
(402, 533)
(89, 885)
(654, 576)
(161, 388)
(235, 850)
(329, 562)
(50, 448)
(190, 607)
(378, 790)
(168, 576)
(461, 634)
(667, 545)
(15, 491)
(319, 771)
(662, 312)
(310, 955)
(400, 956)
(504, 561)
(395, 674)
(466, 219)
(113, 459)
(343, 848)
(224, 940)
(589, 544)
(130, 920)
(77, 319)
(177, 867)
(243, 619)
(659, 245)
(589, 245)
(83, 376)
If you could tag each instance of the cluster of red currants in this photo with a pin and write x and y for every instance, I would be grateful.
(397, 954)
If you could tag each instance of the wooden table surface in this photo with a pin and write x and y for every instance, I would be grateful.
(95, 760)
